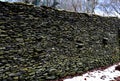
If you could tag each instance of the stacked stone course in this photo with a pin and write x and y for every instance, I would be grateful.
(40, 44)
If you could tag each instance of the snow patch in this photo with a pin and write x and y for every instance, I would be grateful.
(99, 75)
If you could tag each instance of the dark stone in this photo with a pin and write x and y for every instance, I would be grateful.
(1, 64)
(105, 41)
(117, 78)
(117, 68)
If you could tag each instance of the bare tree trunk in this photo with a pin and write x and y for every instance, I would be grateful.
(74, 5)
(80, 5)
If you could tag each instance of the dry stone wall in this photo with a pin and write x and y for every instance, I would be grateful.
(40, 44)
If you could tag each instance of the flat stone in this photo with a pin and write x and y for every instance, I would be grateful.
(16, 78)
(20, 39)
(50, 77)
(12, 74)
(2, 48)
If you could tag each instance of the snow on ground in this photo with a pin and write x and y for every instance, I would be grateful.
(108, 74)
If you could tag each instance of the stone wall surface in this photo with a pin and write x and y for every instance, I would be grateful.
(40, 44)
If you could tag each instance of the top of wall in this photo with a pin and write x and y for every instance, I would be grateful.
(17, 5)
